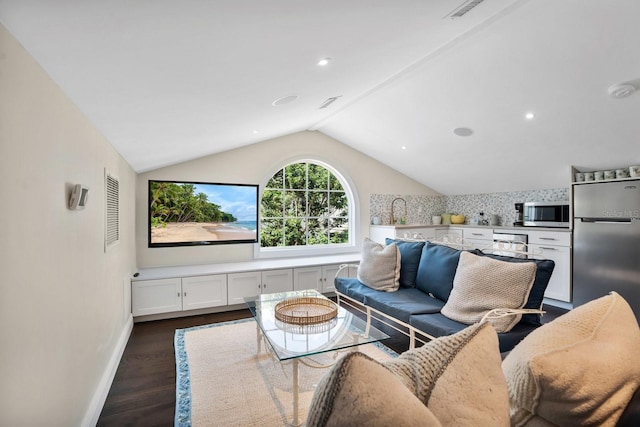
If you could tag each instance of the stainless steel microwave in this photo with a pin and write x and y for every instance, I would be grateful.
(546, 214)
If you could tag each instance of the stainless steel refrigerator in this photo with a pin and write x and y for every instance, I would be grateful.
(606, 241)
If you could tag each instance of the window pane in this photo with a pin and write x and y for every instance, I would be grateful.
(272, 233)
(295, 203)
(276, 180)
(335, 183)
(295, 232)
(318, 177)
(296, 176)
(339, 204)
(318, 231)
(318, 203)
(272, 203)
(339, 232)
(304, 204)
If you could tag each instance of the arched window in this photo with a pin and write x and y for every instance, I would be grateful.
(306, 204)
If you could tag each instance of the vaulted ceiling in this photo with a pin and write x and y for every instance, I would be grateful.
(169, 81)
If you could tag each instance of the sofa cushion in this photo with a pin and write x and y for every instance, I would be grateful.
(579, 369)
(436, 270)
(410, 253)
(482, 284)
(458, 377)
(438, 325)
(352, 287)
(379, 266)
(346, 396)
(544, 269)
(403, 303)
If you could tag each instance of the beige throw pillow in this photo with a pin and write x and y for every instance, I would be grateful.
(482, 284)
(580, 369)
(380, 266)
(458, 377)
(358, 391)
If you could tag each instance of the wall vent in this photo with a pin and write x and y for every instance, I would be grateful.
(463, 9)
(112, 210)
(328, 102)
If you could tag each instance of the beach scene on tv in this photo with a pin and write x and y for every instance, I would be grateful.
(190, 213)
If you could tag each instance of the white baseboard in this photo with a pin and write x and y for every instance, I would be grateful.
(100, 395)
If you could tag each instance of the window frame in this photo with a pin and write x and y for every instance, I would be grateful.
(314, 250)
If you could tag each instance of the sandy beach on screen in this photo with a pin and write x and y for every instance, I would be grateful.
(199, 231)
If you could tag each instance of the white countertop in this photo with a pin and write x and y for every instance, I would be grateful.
(492, 227)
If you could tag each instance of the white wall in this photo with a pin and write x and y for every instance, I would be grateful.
(255, 164)
(64, 307)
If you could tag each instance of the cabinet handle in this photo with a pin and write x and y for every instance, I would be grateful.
(476, 234)
(547, 248)
(185, 294)
(547, 238)
(178, 294)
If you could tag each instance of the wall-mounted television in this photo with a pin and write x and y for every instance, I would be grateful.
(186, 213)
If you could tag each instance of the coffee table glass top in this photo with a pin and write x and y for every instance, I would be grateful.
(289, 341)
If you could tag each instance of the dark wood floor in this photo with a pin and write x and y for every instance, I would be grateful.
(143, 392)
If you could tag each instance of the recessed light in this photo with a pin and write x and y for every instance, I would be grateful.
(404, 147)
(284, 100)
(529, 116)
(255, 131)
(463, 131)
(323, 62)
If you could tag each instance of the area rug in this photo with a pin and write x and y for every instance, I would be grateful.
(223, 380)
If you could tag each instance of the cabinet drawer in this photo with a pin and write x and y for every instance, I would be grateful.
(478, 233)
(550, 238)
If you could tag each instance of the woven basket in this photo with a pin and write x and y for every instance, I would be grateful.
(306, 310)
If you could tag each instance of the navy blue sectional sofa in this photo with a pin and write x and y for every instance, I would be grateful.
(426, 280)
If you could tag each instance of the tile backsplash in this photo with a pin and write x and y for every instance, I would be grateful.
(420, 209)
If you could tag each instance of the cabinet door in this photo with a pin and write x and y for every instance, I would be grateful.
(277, 281)
(307, 278)
(156, 296)
(329, 274)
(559, 287)
(243, 285)
(204, 291)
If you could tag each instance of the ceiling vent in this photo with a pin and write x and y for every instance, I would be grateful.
(328, 102)
(463, 9)
(621, 90)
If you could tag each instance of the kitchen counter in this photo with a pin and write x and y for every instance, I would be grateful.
(494, 227)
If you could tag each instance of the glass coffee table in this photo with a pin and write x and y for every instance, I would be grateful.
(291, 342)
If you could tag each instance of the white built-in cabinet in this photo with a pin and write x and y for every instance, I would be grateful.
(478, 237)
(157, 293)
(178, 294)
(253, 283)
(320, 278)
(555, 246)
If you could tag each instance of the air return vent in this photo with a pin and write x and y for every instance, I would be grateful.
(328, 102)
(463, 9)
(112, 211)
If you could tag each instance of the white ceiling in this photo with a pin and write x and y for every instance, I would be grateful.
(168, 81)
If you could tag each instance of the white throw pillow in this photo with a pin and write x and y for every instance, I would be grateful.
(579, 370)
(482, 284)
(379, 266)
(360, 392)
(458, 377)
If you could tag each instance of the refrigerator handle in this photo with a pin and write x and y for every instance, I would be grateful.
(607, 220)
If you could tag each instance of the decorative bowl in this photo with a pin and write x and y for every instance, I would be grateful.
(457, 219)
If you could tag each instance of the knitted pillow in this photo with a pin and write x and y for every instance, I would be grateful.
(379, 266)
(458, 377)
(482, 284)
(580, 369)
(347, 396)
